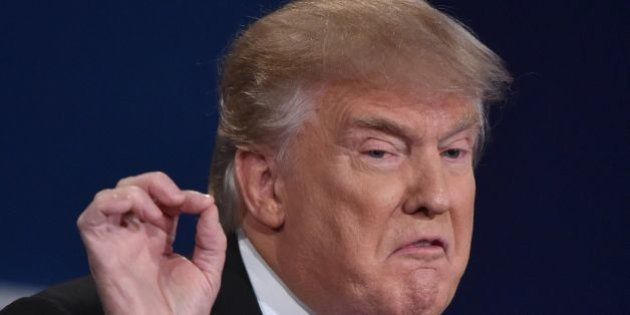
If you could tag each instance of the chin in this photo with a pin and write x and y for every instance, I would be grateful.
(424, 303)
(422, 293)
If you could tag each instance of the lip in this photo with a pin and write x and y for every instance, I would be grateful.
(423, 247)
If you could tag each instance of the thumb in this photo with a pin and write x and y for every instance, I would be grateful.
(210, 246)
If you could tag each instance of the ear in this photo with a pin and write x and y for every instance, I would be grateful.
(257, 184)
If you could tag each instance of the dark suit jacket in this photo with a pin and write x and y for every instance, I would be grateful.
(236, 295)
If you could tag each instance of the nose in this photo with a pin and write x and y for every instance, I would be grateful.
(428, 191)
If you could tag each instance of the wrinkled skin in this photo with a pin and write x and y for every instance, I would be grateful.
(367, 180)
(368, 176)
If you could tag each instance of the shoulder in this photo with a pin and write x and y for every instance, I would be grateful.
(74, 297)
(80, 297)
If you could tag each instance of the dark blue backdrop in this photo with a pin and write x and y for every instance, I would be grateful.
(92, 92)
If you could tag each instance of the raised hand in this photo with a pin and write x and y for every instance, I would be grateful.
(128, 232)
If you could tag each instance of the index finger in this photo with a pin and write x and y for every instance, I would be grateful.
(159, 186)
(196, 202)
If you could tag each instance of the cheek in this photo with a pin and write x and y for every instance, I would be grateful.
(346, 208)
(361, 198)
(362, 204)
(462, 217)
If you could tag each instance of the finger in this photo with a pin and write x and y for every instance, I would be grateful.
(173, 232)
(100, 210)
(143, 207)
(196, 202)
(210, 245)
(121, 206)
(158, 185)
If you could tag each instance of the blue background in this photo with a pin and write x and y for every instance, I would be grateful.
(93, 92)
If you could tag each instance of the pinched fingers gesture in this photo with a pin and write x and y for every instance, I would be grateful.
(128, 232)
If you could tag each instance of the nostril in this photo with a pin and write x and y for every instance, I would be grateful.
(429, 205)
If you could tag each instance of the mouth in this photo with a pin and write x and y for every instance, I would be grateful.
(426, 248)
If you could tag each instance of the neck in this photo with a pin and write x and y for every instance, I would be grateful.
(271, 245)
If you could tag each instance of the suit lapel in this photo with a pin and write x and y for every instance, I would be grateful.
(236, 295)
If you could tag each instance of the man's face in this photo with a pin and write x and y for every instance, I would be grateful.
(379, 196)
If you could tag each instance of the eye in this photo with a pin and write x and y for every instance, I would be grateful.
(376, 154)
(380, 153)
(453, 153)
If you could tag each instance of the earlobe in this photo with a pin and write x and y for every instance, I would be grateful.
(256, 180)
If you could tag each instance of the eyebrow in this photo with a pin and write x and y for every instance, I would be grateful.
(380, 124)
(468, 122)
(394, 129)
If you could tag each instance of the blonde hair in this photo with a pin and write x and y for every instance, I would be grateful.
(271, 73)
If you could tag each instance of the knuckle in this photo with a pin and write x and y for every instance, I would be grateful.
(124, 181)
(81, 220)
(103, 194)
(97, 205)
(134, 192)
(159, 176)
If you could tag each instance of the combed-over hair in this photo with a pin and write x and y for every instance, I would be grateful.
(274, 68)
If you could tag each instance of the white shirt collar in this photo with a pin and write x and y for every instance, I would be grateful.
(273, 296)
